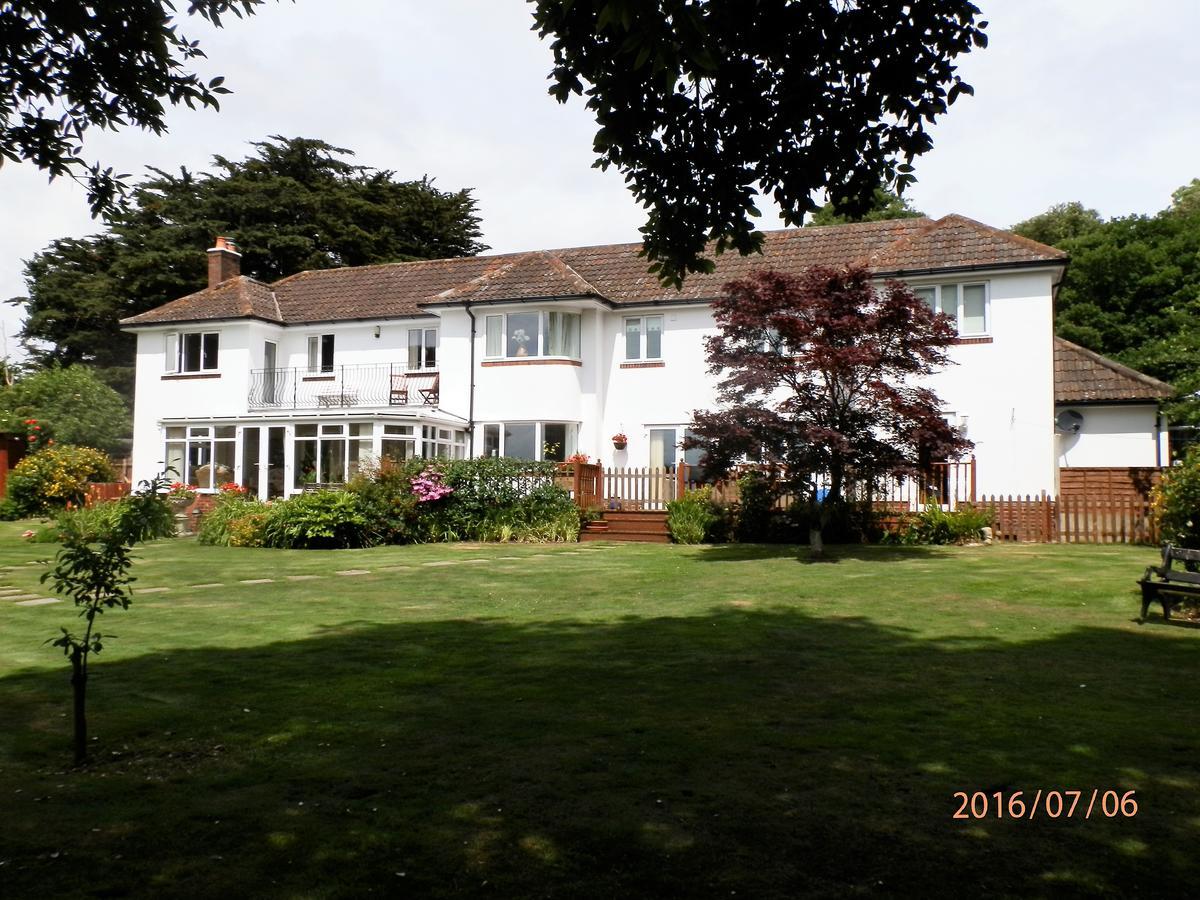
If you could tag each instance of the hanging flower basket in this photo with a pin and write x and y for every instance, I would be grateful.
(620, 441)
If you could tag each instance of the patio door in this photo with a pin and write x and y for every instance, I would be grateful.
(663, 450)
(262, 461)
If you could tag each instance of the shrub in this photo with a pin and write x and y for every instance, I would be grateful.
(691, 518)
(101, 521)
(317, 520)
(1175, 502)
(52, 478)
(755, 518)
(9, 511)
(224, 524)
(934, 525)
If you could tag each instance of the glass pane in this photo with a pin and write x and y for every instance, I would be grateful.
(276, 456)
(228, 432)
(191, 352)
(360, 452)
(333, 461)
(949, 303)
(327, 353)
(314, 353)
(431, 348)
(306, 431)
(929, 295)
(495, 336)
(571, 347)
(305, 462)
(491, 440)
(520, 441)
(211, 341)
(174, 459)
(199, 468)
(414, 348)
(171, 361)
(633, 338)
(398, 450)
(361, 429)
(654, 326)
(523, 334)
(224, 462)
(250, 452)
(554, 441)
(333, 429)
(662, 448)
(398, 429)
(176, 432)
(974, 316)
(199, 431)
(552, 343)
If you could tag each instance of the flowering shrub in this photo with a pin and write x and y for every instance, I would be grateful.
(55, 477)
(1175, 502)
(619, 438)
(232, 487)
(36, 436)
(179, 492)
(428, 486)
(582, 458)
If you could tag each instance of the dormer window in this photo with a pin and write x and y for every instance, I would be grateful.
(192, 351)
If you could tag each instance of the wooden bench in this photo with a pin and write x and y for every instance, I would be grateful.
(1168, 585)
(424, 383)
(337, 398)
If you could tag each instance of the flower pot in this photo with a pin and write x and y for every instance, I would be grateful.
(620, 445)
(180, 504)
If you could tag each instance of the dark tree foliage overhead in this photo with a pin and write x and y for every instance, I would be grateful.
(295, 204)
(1132, 290)
(66, 68)
(821, 380)
(702, 104)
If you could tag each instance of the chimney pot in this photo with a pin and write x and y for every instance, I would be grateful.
(224, 262)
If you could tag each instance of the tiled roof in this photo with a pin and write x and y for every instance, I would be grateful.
(614, 272)
(236, 298)
(1083, 376)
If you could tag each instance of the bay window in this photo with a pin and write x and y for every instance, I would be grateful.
(553, 441)
(330, 453)
(203, 455)
(522, 334)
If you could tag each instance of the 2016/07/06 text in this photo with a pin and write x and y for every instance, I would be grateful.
(1051, 804)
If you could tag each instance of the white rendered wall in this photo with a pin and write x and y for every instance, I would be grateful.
(1112, 436)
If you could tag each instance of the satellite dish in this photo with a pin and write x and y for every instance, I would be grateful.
(1068, 422)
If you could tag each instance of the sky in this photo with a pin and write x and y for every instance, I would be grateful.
(1090, 100)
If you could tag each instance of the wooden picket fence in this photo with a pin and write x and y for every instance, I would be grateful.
(1072, 519)
(99, 491)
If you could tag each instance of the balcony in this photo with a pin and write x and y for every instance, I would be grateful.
(343, 387)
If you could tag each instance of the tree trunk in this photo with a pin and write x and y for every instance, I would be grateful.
(816, 544)
(79, 685)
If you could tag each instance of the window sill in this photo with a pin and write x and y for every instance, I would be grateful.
(189, 376)
(644, 364)
(976, 339)
(531, 361)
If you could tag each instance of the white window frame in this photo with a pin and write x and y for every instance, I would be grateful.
(315, 362)
(539, 436)
(203, 438)
(423, 349)
(958, 287)
(643, 337)
(174, 346)
(539, 340)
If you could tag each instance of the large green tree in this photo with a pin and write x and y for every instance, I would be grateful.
(293, 204)
(884, 205)
(71, 406)
(66, 68)
(703, 104)
(1132, 290)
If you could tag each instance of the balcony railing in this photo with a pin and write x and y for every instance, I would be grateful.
(341, 387)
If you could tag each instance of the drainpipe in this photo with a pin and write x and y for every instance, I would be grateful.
(471, 390)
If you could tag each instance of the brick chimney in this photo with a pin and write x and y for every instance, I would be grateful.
(224, 262)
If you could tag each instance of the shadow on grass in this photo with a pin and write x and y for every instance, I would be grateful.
(834, 553)
(771, 753)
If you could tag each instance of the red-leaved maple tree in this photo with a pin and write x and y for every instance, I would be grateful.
(824, 380)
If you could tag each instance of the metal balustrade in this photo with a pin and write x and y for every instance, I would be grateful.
(342, 387)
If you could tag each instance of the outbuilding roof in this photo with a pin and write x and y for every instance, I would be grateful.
(612, 273)
(1084, 376)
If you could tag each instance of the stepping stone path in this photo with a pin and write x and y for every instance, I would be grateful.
(22, 596)
(349, 572)
(41, 601)
(208, 585)
(256, 581)
(303, 577)
(443, 562)
(154, 590)
(396, 569)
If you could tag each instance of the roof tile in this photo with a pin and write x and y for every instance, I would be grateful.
(1084, 376)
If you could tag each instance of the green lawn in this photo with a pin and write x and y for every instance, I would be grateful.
(601, 721)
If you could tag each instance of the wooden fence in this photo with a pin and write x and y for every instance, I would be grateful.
(99, 491)
(1072, 519)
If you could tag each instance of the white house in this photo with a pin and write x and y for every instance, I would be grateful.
(548, 353)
